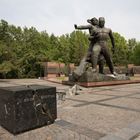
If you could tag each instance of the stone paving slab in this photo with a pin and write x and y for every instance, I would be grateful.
(126, 103)
(132, 132)
(106, 113)
(126, 133)
(112, 137)
(80, 130)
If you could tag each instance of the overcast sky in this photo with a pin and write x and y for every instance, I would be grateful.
(59, 16)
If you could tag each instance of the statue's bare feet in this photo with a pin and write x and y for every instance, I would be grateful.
(115, 73)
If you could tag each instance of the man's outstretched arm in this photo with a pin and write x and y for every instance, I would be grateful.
(82, 27)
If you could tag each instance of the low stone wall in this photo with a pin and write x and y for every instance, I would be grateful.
(136, 69)
(54, 69)
(124, 70)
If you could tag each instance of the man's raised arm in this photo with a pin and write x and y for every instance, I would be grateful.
(82, 27)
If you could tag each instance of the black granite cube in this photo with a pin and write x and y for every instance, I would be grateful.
(23, 108)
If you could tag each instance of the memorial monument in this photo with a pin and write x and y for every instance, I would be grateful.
(98, 51)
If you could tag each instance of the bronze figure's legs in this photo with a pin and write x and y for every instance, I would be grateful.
(94, 56)
(106, 54)
(101, 63)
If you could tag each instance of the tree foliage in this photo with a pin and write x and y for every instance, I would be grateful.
(136, 54)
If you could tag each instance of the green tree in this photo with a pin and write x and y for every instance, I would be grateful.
(120, 55)
(131, 46)
(78, 46)
(136, 54)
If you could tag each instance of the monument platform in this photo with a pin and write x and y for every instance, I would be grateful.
(90, 79)
(103, 83)
(65, 81)
(107, 83)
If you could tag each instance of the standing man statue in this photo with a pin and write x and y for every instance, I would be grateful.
(101, 35)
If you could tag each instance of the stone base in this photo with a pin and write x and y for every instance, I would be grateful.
(102, 83)
(106, 83)
(96, 77)
(90, 76)
(91, 79)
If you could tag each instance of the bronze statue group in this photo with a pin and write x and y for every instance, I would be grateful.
(98, 50)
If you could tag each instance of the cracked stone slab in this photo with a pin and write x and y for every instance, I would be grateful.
(135, 126)
(80, 129)
(112, 137)
(126, 133)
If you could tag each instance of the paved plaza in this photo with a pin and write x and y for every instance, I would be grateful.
(98, 113)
